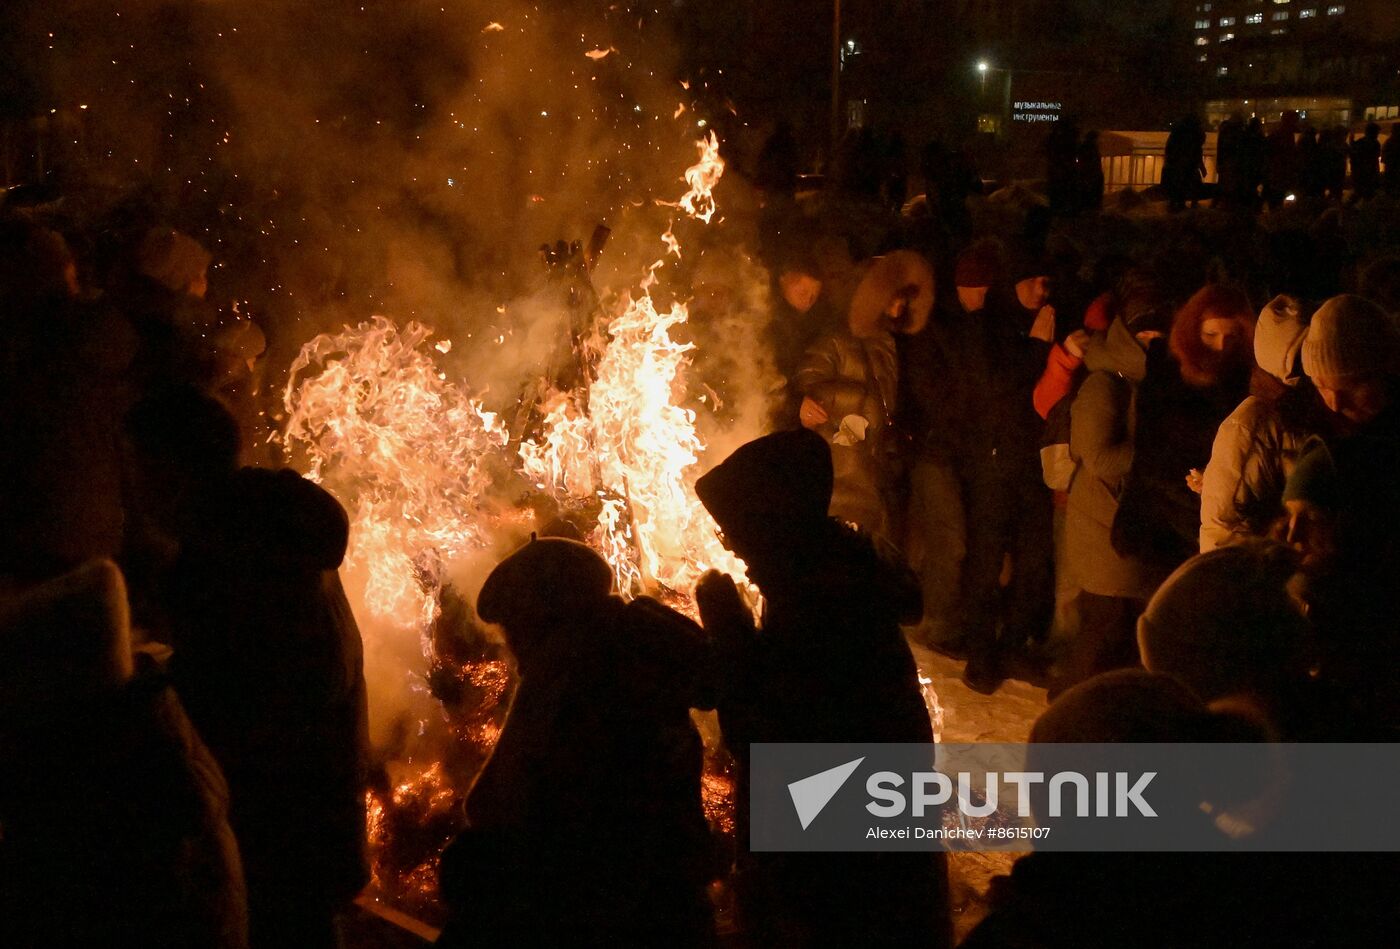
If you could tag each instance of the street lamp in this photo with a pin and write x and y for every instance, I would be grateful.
(982, 68)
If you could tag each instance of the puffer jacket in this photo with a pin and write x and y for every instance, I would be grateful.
(855, 381)
(1249, 464)
(1101, 444)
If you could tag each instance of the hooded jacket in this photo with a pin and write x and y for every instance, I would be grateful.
(268, 660)
(1101, 444)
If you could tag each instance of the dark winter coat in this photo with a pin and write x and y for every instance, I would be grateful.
(938, 399)
(114, 813)
(587, 822)
(269, 662)
(1004, 364)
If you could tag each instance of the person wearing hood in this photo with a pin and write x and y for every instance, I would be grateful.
(1009, 511)
(586, 826)
(826, 663)
(1256, 446)
(115, 814)
(267, 656)
(849, 384)
(1145, 417)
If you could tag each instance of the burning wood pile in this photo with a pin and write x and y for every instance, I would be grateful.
(437, 486)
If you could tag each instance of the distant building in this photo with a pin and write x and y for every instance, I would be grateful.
(1333, 61)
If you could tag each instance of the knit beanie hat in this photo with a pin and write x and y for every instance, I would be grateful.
(978, 266)
(1314, 476)
(1278, 338)
(1351, 337)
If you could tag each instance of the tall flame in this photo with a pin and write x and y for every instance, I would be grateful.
(403, 449)
(637, 434)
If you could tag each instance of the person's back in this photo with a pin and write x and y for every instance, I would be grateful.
(592, 795)
(269, 661)
(1365, 154)
(267, 656)
(828, 664)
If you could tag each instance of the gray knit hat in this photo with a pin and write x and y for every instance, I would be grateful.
(1278, 338)
(1351, 337)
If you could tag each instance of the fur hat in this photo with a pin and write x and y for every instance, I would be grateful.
(1278, 339)
(1351, 337)
(900, 272)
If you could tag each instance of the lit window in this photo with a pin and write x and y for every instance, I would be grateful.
(1282, 1)
(1222, 70)
(1281, 15)
(1307, 14)
(1227, 21)
(1278, 31)
(1226, 37)
(1202, 58)
(1254, 18)
(1202, 24)
(1338, 9)
(1205, 8)
(1203, 41)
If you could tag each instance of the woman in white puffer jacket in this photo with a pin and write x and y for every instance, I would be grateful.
(1242, 489)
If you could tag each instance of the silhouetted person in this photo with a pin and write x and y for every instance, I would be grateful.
(1008, 506)
(267, 657)
(1312, 163)
(779, 162)
(1229, 162)
(1061, 169)
(586, 824)
(1089, 173)
(1183, 163)
(1253, 158)
(1281, 161)
(1365, 154)
(1390, 154)
(827, 663)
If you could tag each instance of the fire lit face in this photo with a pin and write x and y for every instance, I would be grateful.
(800, 290)
(1309, 531)
(972, 299)
(1356, 400)
(1033, 292)
(1221, 334)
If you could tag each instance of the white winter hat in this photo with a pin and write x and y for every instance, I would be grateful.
(1278, 338)
(1351, 337)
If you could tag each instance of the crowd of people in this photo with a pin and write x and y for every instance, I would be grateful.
(1010, 431)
